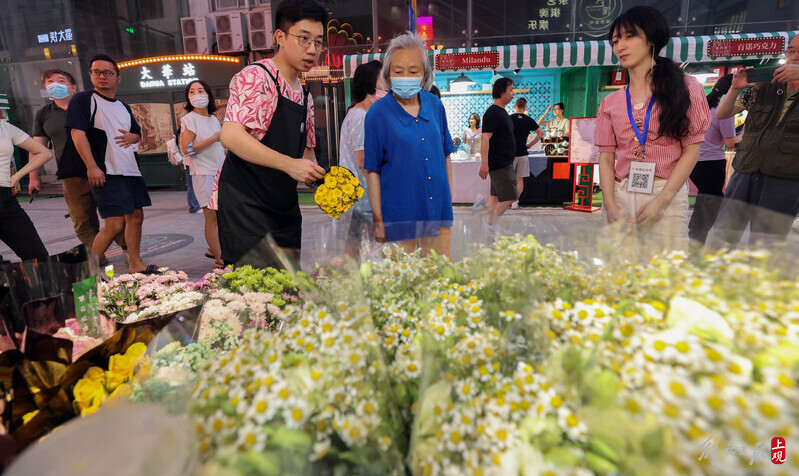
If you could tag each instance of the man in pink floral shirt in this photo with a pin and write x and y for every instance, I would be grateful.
(269, 132)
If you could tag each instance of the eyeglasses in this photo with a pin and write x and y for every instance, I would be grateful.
(105, 74)
(305, 42)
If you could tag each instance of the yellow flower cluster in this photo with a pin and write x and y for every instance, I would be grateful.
(339, 192)
(98, 385)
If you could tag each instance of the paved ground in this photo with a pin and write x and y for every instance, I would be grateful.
(174, 238)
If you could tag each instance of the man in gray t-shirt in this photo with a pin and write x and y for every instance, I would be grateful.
(48, 127)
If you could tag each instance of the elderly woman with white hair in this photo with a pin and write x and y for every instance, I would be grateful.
(406, 153)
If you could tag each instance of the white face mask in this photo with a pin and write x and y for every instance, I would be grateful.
(199, 100)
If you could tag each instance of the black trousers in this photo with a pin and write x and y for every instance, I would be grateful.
(708, 176)
(17, 230)
(769, 205)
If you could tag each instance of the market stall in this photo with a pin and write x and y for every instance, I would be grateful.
(518, 356)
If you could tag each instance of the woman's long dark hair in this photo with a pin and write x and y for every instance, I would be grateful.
(719, 89)
(670, 91)
(211, 102)
(364, 80)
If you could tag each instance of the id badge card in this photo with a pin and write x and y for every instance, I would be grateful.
(642, 178)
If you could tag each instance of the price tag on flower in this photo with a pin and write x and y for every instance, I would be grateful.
(341, 190)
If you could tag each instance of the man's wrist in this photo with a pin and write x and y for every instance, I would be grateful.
(287, 163)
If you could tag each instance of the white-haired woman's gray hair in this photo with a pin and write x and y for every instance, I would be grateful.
(405, 41)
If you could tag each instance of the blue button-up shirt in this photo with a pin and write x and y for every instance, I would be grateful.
(410, 154)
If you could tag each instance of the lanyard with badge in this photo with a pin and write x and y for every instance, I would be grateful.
(642, 174)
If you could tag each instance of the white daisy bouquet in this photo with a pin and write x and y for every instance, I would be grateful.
(299, 400)
(520, 359)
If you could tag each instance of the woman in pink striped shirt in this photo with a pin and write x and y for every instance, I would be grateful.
(654, 127)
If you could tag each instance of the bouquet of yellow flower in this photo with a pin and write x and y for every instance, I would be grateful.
(340, 190)
(98, 385)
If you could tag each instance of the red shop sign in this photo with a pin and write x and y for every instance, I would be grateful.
(746, 46)
(487, 59)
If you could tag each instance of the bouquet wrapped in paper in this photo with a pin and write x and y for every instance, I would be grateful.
(44, 388)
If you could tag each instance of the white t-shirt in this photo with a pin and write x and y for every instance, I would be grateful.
(208, 160)
(10, 135)
(351, 141)
(112, 116)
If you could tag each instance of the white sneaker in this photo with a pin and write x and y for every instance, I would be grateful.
(492, 233)
(514, 205)
(481, 202)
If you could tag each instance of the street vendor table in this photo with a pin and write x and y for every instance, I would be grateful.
(466, 182)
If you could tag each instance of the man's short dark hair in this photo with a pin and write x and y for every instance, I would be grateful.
(521, 103)
(102, 57)
(290, 12)
(51, 72)
(500, 86)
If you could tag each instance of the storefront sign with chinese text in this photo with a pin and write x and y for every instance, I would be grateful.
(548, 14)
(177, 71)
(746, 46)
(487, 59)
(163, 76)
(424, 28)
(55, 36)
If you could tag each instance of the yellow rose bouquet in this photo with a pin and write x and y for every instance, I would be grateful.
(341, 190)
(98, 385)
(45, 393)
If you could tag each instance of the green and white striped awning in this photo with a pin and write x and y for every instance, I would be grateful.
(584, 53)
(4, 102)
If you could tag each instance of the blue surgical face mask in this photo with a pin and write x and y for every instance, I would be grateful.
(57, 91)
(406, 88)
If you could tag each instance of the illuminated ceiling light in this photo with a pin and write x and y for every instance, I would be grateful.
(463, 79)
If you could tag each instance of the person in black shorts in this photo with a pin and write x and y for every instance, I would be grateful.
(498, 150)
(105, 135)
(523, 126)
(49, 128)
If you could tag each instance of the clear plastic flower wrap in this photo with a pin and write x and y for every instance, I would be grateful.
(41, 295)
(123, 439)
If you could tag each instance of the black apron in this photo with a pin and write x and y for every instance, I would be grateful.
(255, 200)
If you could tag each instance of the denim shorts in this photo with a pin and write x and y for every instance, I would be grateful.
(121, 195)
